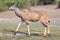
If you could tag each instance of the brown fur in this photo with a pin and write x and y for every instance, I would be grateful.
(34, 15)
(28, 15)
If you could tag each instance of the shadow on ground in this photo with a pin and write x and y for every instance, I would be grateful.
(24, 33)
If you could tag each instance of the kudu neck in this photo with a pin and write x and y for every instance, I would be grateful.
(18, 12)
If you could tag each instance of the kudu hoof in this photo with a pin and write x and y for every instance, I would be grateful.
(45, 36)
(14, 33)
(48, 35)
(29, 35)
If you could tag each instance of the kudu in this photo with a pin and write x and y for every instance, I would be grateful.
(33, 16)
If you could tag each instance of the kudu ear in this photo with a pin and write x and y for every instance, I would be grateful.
(15, 4)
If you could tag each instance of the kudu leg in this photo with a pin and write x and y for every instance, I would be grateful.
(17, 28)
(28, 30)
(47, 27)
(45, 32)
(28, 27)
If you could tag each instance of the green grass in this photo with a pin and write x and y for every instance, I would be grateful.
(7, 28)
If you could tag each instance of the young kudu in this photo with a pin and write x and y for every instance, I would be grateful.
(33, 16)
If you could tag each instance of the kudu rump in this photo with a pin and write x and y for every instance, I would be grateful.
(33, 16)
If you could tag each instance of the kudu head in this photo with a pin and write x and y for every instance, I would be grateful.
(14, 6)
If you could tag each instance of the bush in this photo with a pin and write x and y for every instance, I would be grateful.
(23, 3)
(7, 3)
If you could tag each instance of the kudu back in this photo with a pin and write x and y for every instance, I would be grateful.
(34, 16)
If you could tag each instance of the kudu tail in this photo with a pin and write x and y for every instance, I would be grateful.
(48, 21)
(48, 18)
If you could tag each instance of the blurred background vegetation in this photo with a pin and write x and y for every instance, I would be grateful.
(4, 4)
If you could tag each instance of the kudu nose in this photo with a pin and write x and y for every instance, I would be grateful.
(10, 9)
